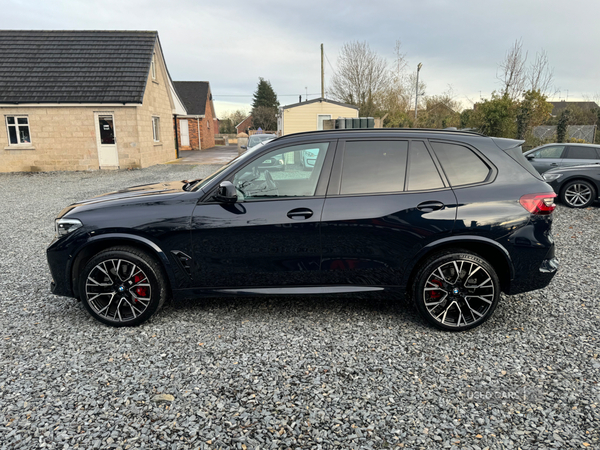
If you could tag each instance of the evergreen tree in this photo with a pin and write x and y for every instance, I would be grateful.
(265, 106)
(563, 123)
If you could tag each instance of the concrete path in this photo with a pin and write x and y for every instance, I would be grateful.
(219, 155)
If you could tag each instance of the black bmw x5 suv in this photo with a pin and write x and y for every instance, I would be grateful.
(451, 218)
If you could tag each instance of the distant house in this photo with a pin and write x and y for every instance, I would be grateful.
(309, 115)
(559, 107)
(244, 126)
(84, 100)
(196, 130)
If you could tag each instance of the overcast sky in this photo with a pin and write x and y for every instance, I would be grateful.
(232, 43)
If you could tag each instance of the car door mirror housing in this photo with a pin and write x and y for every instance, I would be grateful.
(530, 157)
(226, 193)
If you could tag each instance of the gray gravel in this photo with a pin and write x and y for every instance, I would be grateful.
(288, 372)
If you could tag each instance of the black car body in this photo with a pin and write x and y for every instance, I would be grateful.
(576, 186)
(551, 156)
(451, 217)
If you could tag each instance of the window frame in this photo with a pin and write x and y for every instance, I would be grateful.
(335, 182)
(569, 148)
(536, 154)
(322, 182)
(153, 66)
(16, 125)
(156, 129)
(492, 174)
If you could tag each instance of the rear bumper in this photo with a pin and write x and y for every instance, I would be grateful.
(537, 279)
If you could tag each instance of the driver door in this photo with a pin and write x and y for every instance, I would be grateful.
(270, 236)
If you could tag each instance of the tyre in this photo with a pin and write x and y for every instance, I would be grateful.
(578, 194)
(456, 290)
(122, 286)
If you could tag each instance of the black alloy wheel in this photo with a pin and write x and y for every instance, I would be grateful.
(578, 194)
(456, 290)
(122, 286)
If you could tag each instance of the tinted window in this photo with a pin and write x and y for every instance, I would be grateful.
(286, 172)
(462, 166)
(582, 153)
(374, 166)
(422, 173)
(554, 151)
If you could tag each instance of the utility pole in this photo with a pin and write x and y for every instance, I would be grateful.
(322, 75)
(417, 91)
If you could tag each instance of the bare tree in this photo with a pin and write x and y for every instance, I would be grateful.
(361, 76)
(512, 72)
(540, 75)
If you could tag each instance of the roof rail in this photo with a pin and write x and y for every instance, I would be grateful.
(370, 130)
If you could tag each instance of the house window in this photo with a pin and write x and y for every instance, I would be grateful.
(156, 129)
(18, 130)
(153, 68)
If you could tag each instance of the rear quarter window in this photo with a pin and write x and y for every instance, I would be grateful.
(461, 165)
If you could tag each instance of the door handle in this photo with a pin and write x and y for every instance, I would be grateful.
(300, 213)
(430, 206)
(554, 164)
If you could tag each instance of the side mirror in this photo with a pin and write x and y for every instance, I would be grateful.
(226, 193)
(530, 156)
(244, 147)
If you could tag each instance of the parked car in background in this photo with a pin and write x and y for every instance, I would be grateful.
(256, 139)
(576, 186)
(550, 156)
(450, 218)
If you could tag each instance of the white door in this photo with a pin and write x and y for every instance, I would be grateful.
(108, 156)
(321, 118)
(185, 132)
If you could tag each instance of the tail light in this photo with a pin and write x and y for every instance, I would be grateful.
(539, 204)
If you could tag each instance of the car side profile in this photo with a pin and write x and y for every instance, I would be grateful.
(450, 218)
(576, 186)
(551, 156)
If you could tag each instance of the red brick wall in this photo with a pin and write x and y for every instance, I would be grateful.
(245, 125)
(193, 129)
(207, 130)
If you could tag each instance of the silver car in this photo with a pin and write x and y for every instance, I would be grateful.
(550, 156)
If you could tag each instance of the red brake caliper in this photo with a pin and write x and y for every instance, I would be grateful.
(434, 295)
(141, 291)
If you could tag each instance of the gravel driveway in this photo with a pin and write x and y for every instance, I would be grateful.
(288, 372)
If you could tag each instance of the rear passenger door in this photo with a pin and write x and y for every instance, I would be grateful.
(577, 155)
(386, 200)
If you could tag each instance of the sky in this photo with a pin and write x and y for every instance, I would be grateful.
(460, 43)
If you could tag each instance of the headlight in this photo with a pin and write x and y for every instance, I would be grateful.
(552, 176)
(66, 226)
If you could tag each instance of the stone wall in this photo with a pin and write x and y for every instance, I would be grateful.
(64, 137)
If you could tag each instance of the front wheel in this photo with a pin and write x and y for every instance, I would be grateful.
(578, 194)
(122, 286)
(456, 290)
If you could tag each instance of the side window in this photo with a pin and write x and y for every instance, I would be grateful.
(554, 151)
(582, 153)
(422, 174)
(371, 167)
(462, 166)
(286, 172)
(18, 130)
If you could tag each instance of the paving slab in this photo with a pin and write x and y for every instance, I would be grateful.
(220, 155)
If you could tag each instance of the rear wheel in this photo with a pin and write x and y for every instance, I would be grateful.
(122, 286)
(456, 290)
(578, 194)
